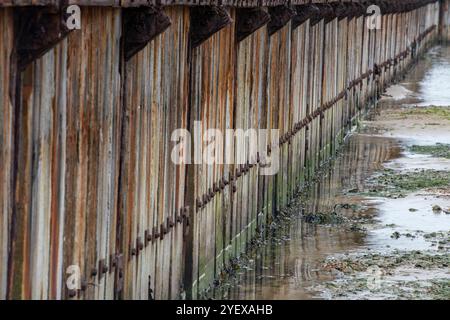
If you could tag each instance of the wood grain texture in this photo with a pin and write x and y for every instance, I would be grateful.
(6, 143)
(86, 141)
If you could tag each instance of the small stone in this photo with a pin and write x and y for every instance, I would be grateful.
(437, 208)
(395, 235)
(412, 210)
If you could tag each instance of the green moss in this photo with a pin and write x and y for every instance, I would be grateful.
(440, 290)
(324, 218)
(443, 112)
(389, 261)
(395, 184)
(439, 150)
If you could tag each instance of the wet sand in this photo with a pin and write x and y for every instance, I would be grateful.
(294, 263)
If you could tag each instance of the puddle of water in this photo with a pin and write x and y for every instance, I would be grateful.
(398, 92)
(289, 266)
(414, 161)
(286, 269)
(435, 85)
(416, 133)
(428, 83)
(395, 214)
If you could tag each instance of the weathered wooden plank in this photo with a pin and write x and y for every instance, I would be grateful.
(212, 92)
(149, 95)
(6, 143)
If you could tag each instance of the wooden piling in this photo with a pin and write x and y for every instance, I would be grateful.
(86, 123)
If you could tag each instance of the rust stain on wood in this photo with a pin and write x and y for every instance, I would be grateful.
(86, 139)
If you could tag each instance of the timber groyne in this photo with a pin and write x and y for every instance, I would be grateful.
(92, 205)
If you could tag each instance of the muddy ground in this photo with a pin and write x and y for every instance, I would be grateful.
(412, 195)
(376, 224)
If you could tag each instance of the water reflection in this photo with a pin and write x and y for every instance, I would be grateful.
(435, 86)
(289, 264)
(430, 79)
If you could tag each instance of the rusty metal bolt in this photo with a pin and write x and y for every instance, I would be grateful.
(155, 233)
(185, 211)
(148, 236)
(199, 203)
(133, 251)
(72, 293)
(162, 231)
(170, 223)
(94, 272)
(187, 221)
(83, 285)
(112, 261)
(139, 244)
